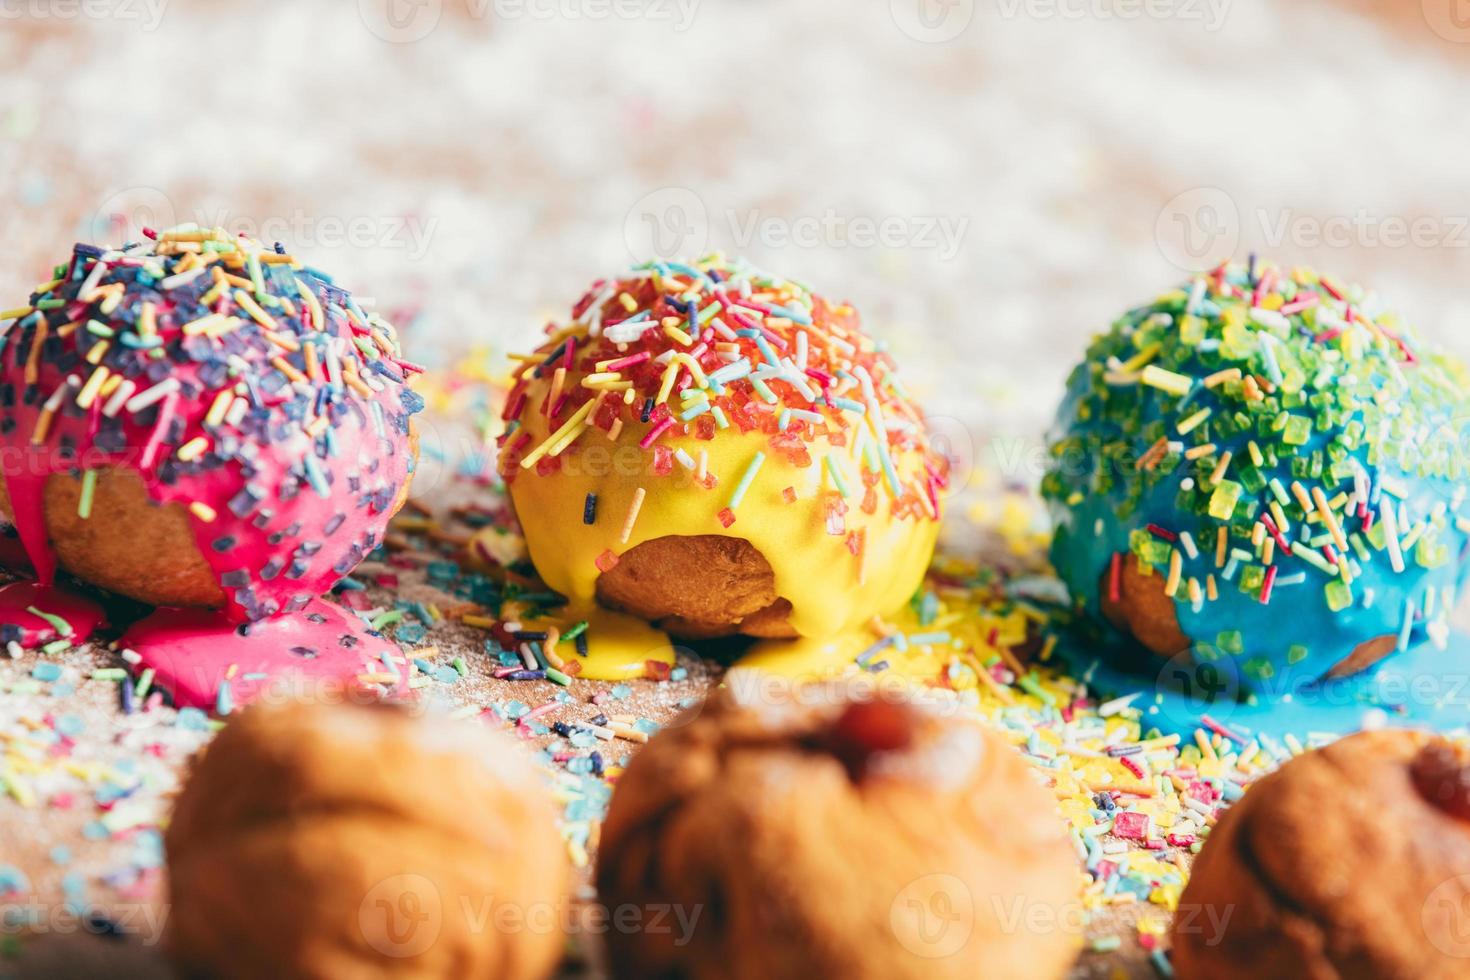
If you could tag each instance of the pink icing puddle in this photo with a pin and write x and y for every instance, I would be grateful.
(318, 653)
(81, 615)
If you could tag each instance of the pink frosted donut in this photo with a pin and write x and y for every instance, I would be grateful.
(198, 420)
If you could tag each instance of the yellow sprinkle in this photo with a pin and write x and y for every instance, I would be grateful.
(203, 325)
(1170, 381)
(1195, 594)
(1257, 459)
(16, 313)
(1300, 492)
(1222, 541)
(1279, 515)
(147, 320)
(1219, 377)
(1196, 452)
(1176, 572)
(670, 373)
(1190, 424)
(1205, 747)
(202, 511)
(629, 303)
(1330, 518)
(1220, 468)
(97, 352)
(221, 405)
(1138, 360)
(193, 235)
(679, 335)
(317, 320)
(568, 439)
(1258, 534)
(193, 449)
(632, 517)
(570, 425)
(694, 368)
(43, 426)
(88, 394)
(1268, 551)
(260, 316)
(1211, 589)
(284, 366)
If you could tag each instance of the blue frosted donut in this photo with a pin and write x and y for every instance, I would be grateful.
(1264, 469)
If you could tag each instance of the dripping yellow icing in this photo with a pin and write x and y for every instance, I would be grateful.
(831, 591)
(774, 393)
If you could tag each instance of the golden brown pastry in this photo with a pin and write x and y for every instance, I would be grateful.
(827, 837)
(1349, 861)
(354, 841)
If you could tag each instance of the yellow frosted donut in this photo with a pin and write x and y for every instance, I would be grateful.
(718, 451)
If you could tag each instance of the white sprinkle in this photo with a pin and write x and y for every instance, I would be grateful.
(90, 283)
(1109, 708)
(179, 279)
(1270, 318)
(119, 397)
(59, 395)
(153, 395)
(1391, 533)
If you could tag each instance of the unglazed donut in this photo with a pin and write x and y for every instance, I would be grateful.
(790, 825)
(1264, 468)
(1352, 860)
(198, 420)
(324, 842)
(719, 452)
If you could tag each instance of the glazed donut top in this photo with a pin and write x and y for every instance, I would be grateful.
(236, 382)
(1260, 429)
(699, 349)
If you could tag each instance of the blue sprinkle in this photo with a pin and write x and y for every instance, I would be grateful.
(46, 672)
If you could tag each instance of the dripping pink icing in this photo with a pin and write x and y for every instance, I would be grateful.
(81, 614)
(12, 552)
(317, 426)
(193, 651)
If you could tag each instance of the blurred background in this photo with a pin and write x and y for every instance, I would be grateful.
(990, 181)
